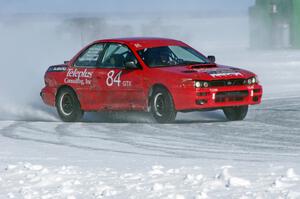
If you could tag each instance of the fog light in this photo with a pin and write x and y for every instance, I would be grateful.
(201, 102)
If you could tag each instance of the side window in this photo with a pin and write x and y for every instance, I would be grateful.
(116, 55)
(91, 57)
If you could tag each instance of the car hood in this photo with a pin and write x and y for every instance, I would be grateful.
(208, 72)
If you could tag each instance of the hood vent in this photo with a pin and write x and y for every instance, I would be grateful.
(189, 71)
(203, 66)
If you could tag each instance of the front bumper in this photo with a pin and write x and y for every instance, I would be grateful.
(218, 97)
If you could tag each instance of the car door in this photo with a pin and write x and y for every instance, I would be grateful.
(122, 88)
(82, 76)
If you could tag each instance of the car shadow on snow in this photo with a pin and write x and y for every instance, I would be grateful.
(143, 117)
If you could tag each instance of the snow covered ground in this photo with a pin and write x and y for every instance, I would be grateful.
(25, 180)
(200, 156)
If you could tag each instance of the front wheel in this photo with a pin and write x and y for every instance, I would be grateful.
(235, 113)
(162, 106)
(68, 106)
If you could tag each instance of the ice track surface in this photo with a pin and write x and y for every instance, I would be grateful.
(270, 132)
(199, 156)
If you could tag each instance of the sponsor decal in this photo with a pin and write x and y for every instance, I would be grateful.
(79, 73)
(57, 69)
(137, 45)
(82, 77)
(224, 73)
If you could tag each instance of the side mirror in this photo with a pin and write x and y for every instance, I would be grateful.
(130, 65)
(212, 58)
(66, 62)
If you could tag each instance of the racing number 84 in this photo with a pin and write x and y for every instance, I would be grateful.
(113, 79)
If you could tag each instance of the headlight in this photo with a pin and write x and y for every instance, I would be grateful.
(252, 80)
(197, 84)
(249, 81)
(256, 79)
(201, 84)
(205, 84)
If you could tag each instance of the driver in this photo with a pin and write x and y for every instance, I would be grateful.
(164, 57)
(158, 57)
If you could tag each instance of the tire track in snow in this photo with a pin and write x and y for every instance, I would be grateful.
(12, 133)
(259, 138)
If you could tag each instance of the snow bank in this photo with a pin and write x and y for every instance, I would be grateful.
(26, 180)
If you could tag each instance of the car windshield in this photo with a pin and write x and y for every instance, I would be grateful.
(171, 56)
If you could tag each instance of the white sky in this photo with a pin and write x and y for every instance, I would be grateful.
(108, 6)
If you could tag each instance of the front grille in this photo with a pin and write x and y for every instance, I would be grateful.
(230, 82)
(232, 96)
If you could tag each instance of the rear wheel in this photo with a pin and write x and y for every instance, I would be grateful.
(235, 113)
(162, 106)
(68, 106)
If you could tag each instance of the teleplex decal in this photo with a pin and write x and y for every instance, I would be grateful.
(75, 76)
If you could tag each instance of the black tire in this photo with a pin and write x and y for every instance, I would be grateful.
(162, 106)
(68, 106)
(235, 113)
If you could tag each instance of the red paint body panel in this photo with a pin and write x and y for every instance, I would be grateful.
(132, 92)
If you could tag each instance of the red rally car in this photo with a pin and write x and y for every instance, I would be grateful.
(161, 76)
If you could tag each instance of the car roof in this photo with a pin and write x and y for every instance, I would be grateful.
(144, 42)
